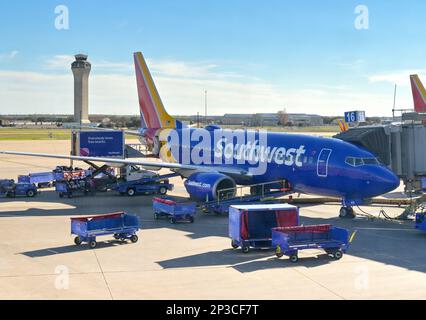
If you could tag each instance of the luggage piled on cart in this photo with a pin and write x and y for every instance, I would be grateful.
(288, 241)
(250, 226)
(70, 188)
(175, 211)
(121, 225)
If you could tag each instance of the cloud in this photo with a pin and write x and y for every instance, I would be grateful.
(59, 62)
(181, 86)
(353, 66)
(399, 77)
(63, 63)
(8, 55)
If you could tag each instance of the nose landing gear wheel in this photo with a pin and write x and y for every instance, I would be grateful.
(346, 213)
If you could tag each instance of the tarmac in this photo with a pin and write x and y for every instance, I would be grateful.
(38, 259)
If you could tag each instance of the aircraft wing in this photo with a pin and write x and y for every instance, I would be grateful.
(145, 164)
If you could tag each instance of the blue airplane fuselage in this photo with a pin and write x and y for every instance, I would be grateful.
(314, 165)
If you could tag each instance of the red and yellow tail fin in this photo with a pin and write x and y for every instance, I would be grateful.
(419, 93)
(153, 114)
(343, 125)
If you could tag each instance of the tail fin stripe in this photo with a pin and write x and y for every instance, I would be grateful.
(153, 93)
(147, 106)
(419, 93)
(153, 113)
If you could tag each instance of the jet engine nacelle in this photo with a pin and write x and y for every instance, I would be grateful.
(207, 186)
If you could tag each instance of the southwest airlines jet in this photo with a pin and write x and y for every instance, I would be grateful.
(213, 159)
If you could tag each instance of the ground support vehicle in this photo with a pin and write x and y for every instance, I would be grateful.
(121, 225)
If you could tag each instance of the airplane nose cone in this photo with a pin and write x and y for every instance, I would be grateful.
(389, 181)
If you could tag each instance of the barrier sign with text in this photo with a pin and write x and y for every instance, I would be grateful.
(109, 144)
(355, 116)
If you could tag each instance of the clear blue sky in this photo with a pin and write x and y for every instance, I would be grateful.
(295, 48)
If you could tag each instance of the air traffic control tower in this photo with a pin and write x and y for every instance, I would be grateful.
(81, 70)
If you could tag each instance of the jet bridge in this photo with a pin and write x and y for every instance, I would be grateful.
(400, 146)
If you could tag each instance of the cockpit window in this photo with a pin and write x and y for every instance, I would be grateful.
(357, 162)
(350, 161)
(371, 161)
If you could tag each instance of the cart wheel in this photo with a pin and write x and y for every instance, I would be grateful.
(162, 190)
(93, 244)
(294, 258)
(30, 193)
(191, 219)
(131, 192)
(338, 254)
(134, 238)
(278, 252)
(77, 241)
(245, 249)
(116, 236)
(234, 245)
(173, 220)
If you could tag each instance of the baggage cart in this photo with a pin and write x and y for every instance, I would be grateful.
(41, 179)
(250, 226)
(121, 225)
(289, 240)
(175, 211)
(69, 188)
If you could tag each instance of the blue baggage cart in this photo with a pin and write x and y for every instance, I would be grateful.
(175, 211)
(421, 221)
(250, 226)
(121, 225)
(41, 179)
(288, 241)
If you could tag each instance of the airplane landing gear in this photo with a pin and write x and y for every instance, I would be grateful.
(347, 213)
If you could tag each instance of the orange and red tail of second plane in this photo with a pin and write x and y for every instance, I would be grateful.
(419, 93)
(152, 111)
